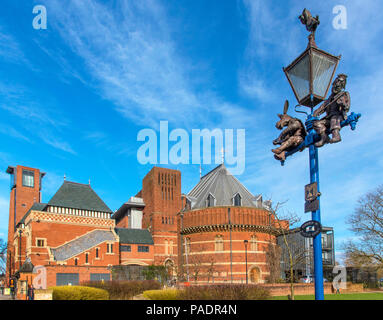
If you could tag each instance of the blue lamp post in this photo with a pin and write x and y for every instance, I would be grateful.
(310, 77)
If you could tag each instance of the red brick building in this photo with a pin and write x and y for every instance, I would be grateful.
(75, 237)
(225, 231)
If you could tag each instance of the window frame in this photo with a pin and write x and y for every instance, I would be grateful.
(24, 173)
(44, 240)
(127, 246)
(210, 196)
(236, 196)
(143, 246)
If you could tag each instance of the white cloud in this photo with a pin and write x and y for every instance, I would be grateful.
(134, 63)
(12, 132)
(43, 122)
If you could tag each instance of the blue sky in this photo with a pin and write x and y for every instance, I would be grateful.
(74, 96)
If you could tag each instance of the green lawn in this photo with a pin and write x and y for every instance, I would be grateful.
(344, 296)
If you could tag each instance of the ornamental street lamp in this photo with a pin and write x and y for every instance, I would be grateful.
(246, 242)
(310, 76)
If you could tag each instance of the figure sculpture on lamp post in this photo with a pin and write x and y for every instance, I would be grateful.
(291, 137)
(336, 108)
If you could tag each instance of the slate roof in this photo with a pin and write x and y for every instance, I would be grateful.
(35, 207)
(134, 236)
(81, 244)
(78, 196)
(223, 186)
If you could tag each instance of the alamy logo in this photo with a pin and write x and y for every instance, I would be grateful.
(40, 280)
(40, 20)
(184, 147)
(340, 20)
(340, 280)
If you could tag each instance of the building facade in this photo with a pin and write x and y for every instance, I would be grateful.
(302, 251)
(217, 233)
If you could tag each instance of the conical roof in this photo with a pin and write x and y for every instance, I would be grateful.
(223, 186)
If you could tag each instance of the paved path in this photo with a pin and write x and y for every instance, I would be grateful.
(2, 297)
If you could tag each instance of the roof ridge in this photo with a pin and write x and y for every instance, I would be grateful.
(81, 184)
(221, 165)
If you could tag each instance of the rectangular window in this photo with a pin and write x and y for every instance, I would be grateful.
(86, 257)
(125, 248)
(64, 279)
(99, 277)
(109, 248)
(40, 243)
(143, 249)
(96, 252)
(28, 179)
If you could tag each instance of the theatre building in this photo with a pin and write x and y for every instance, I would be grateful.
(200, 236)
(225, 231)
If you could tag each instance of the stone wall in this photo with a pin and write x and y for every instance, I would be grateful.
(283, 289)
(43, 294)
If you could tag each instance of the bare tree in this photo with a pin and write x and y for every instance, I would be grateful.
(273, 259)
(367, 224)
(211, 267)
(3, 256)
(294, 250)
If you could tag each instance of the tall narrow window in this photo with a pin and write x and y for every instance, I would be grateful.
(253, 243)
(219, 243)
(210, 200)
(28, 179)
(188, 245)
(97, 253)
(237, 200)
(87, 257)
(75, 261)
(171, 247)
(166, 247)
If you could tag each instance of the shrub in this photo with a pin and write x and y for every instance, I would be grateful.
(224, 292)
(123, 290)
(79, 293)
(166, 294)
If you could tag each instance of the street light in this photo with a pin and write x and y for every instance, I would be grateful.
(311, 73)
(246, 242)
(310, 76)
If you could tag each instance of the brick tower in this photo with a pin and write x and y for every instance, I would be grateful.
(25, 191)
(161, 192)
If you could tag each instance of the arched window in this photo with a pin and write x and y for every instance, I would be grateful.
(218, 243)
(237, 200)
(210, 201)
